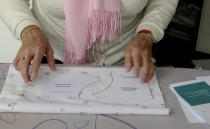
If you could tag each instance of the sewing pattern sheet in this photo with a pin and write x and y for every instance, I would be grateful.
(81, 90)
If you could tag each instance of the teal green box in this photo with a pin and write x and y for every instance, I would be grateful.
(195, 94)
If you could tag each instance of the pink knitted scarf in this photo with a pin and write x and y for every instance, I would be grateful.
(88, 22)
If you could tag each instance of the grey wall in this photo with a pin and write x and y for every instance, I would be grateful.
(203, 44)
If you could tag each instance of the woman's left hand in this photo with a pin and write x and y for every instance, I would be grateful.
(139, 54)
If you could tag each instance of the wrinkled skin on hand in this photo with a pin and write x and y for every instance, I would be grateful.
(138, 54)
(34, 46)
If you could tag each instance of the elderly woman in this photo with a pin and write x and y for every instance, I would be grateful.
(99, 32)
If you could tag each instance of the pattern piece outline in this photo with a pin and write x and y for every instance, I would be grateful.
(94, 82)
(87, 122)
(7, 121)
(45, 121)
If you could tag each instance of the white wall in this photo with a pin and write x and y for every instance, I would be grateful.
(8, 45)
(203, 44)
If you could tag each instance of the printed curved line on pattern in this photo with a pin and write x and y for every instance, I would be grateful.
(13, 115)
(113, 118)
(45, 121)
(99, 80)
(105, 88)
(87, 86)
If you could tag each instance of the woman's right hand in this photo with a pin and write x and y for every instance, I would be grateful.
(34, 46)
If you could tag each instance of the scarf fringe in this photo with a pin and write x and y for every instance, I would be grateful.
(103, 26)
(70, 58)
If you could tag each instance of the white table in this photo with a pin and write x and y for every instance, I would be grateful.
(176, 119)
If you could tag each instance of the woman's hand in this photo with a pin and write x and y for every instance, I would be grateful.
(34, 46)
(139, 54)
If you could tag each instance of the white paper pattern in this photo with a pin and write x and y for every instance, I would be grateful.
(81, 90)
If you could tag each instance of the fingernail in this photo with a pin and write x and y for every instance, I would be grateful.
(143, 79)
(128, 69)
(146, 81)
(32, 77)
(137, 74)
(26, 81)
(53, 69)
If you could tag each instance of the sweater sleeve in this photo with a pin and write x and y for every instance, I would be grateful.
(17, 15)
(158, 15)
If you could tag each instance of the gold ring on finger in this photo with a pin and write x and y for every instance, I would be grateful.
(26, 58)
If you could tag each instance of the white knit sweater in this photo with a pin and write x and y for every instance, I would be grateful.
(153, 15)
